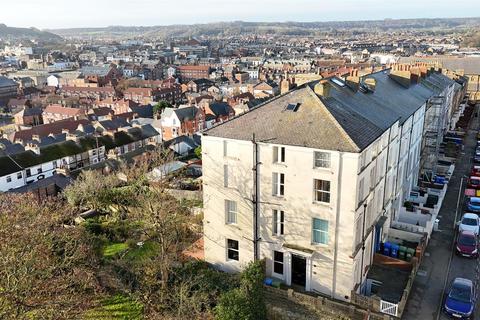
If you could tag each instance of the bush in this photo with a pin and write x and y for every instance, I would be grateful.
(246, 302)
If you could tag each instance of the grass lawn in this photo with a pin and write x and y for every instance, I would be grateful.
(112, 249)
(142, 252)
(116, 308)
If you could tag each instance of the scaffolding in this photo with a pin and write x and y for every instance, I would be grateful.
(434, 129)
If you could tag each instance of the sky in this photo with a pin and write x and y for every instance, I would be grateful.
(51, 14)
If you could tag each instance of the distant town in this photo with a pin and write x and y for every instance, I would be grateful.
(241, 170)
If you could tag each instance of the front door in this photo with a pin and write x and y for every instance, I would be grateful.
(299, 270)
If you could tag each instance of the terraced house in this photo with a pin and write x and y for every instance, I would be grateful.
(43, 156)
(312, 179)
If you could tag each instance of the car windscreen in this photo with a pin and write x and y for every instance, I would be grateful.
(466, 240)
(475, 202)
(469, 222)
(460, 292)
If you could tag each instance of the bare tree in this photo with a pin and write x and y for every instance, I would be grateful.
(47, 267)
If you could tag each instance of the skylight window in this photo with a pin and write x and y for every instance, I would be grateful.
(292, 107)
(338, 82)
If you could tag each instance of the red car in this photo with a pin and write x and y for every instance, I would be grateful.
(476, 171)
(474, 182)
(467, 244)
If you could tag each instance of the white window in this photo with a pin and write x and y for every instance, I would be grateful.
(319, 231)
(361, 191)
(19, 175)
(279, 154)
(225, 176)
(278, 262)
(372, 176)
(9, 179)
(278, 184)
(322, 190)
(362, 160)
(231, 211)
(322, 159)
(232, 250)
(278, 222)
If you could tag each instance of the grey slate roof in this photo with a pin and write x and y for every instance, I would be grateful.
(6, 82)
(471, 65)
(347, 120)
(312, 125)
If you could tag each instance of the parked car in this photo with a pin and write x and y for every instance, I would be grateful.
(476, 171)
(473, 182)
(476, 157)
(469, 222)
(460, 300)
(467, 244)
(473, 204)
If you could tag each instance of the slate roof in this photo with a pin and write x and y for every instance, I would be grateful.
(143, 111)
(347, 120)
(312, 125)
(183, 114)
(471, 65)
(6, 82)
(50, 128)
(220, 108)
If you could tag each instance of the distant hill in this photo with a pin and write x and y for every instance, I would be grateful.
(274, 28)
(11, 33)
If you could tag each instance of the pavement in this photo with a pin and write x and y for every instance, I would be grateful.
(440, 265)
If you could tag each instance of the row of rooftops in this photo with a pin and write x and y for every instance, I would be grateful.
(16, 156)
(347, 119)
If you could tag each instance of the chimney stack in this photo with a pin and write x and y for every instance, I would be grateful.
(322, 88)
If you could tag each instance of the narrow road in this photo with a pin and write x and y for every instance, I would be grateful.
(462, 267)
(438, 267)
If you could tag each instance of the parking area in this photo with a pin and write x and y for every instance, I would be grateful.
(440, 265)
(460, 266)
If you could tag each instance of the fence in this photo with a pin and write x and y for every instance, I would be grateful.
(389, 308)
(323, 304)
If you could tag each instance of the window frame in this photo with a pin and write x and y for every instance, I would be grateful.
(225, 175)
(278, 184)
(278, 228)
(279, 154)
(316, 159)
(237, 249)
(278, 262)
(231, 212)
(322, 191)
(325, 232)
(9, 179)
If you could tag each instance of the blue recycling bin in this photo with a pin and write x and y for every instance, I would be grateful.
(268, 281)
(439, 179)
(395, 248)
(386, 248)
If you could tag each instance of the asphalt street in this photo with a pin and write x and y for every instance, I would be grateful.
(440, 265)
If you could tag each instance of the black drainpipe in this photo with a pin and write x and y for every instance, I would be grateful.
(255, 199)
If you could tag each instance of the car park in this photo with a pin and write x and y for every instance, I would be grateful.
(469, 222)
(466, 244)
(460, 299)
